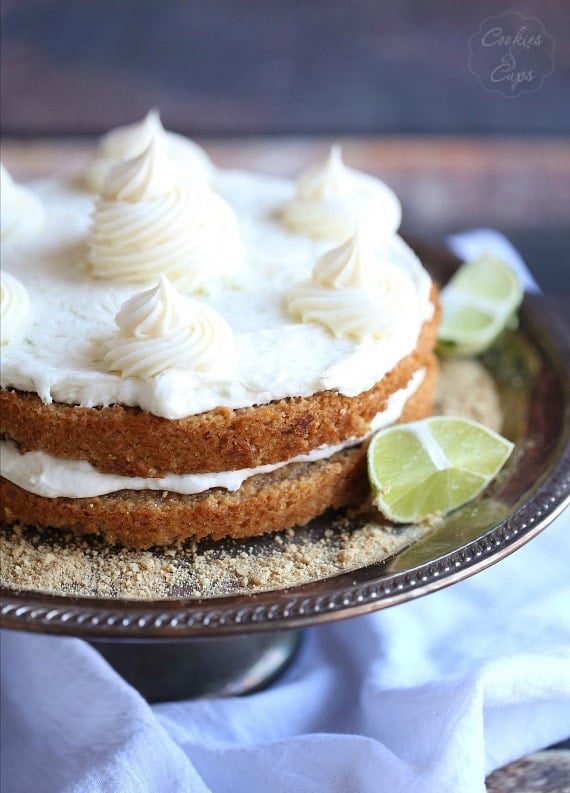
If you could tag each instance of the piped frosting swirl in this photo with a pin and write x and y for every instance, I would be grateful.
(14, 306)
(22, 214)
(147, 222)
(331, 200)
(160, 329)
(356, 293)
(126, 142)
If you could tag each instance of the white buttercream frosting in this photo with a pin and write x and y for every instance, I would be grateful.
(52, 477)
(160, 329)
(14, 307)
(21, 212)
(191, 161)
(331, 200)
(276, 356)
(146, 222)
(356, 292)
(148, 177)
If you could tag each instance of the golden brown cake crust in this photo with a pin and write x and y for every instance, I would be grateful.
(289, 496)
(129, 442)
(139, 519)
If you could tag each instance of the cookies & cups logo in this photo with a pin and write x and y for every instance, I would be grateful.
(511, 54)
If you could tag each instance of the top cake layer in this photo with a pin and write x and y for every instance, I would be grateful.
(59, 350)
(191, 352)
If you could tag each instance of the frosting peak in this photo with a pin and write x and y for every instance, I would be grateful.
(146, 222)
(131, 140)
(332, 199)
(327, 180)
(146, 177)
(160, 329)
(352, 265)
(356, 293)
(21, 212)
(153, 313)
(121, 143)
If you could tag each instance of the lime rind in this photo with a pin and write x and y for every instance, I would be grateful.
(486, 277)
(468, 437)
(433, 466)
(479, 301)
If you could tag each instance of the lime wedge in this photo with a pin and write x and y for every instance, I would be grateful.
(477, 304)
(433, 466)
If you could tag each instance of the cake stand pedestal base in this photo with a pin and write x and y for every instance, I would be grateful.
(164, 671)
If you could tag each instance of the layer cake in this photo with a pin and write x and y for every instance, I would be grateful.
(190, 352)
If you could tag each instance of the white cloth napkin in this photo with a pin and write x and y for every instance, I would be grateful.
(428, 696)
(472, 244)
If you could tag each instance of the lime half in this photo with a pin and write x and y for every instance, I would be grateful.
(478, 302)
(433, 466)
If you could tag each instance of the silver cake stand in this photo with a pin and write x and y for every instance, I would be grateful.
(184, 647)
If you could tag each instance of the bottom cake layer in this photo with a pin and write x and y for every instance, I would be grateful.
(289, 496)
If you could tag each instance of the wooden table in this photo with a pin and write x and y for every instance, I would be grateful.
(444, 183)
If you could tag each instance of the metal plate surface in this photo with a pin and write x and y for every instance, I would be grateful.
(531, 368)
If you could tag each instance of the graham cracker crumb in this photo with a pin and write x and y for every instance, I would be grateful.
(466, 389)
(58, 563)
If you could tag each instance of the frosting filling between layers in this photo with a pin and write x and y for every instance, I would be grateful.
(52, 477)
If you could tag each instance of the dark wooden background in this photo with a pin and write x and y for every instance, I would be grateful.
(226, 67)
(394, 72)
